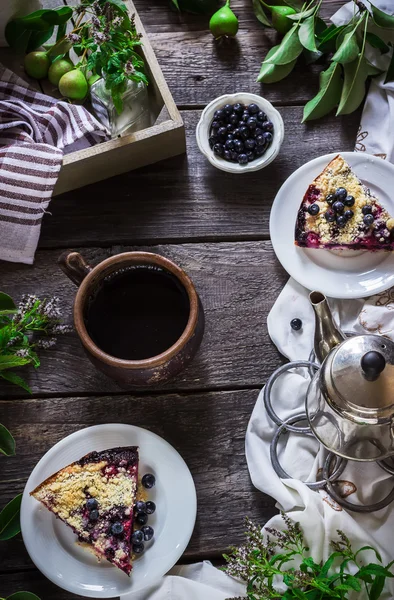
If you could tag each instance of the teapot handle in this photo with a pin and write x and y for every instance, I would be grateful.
(372, 364)
(74, 266)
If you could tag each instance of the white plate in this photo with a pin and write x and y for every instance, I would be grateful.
(336, 273)
(52, 545)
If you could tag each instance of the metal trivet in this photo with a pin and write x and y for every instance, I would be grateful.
(333, 465)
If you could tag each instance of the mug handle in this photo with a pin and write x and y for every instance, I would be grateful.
(74, 266)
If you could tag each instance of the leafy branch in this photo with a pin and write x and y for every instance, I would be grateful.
(343, 82)
(271, 559)
(34, 324)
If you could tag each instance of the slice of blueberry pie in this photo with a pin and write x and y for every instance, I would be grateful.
(338, 211)
(95, 496)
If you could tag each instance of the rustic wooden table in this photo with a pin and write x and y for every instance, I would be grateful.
(216, 226)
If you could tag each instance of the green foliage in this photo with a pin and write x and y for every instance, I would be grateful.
(10, 519)
(343, 82)
(31, 31)
(267, 562)
(23, 330)
(7, 442)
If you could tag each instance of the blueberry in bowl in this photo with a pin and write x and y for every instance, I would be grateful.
(254, 133)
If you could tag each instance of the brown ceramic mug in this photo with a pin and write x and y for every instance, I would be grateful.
(137, 373)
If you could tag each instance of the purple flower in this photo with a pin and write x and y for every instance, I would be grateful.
(100, 37)
(129, 68)
(117, 22)
(96, 22)
(74, 38)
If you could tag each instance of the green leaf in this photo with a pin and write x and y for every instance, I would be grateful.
(38, 38)
(7, 442)
(9, 519)
(328, 564)
(328, 38)
(15, 379)
(372, 70)
(60, 49)
(377, 588)
(6, 303)
(175, 3)
(304, 14)
(373, 569)
(328, 95)
(59, 16)
(273, 73)
(390, 70)
(260, 14)
(381, 18)
(307, 34)
(121, 6)
(353, 90)
(289, 49)
(23, 596)
(353, 583)
(9, 361)
(348, 49)
(376, 42)
(36, 21)
(364, 548)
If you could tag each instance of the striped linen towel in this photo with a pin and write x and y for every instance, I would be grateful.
(34, 131)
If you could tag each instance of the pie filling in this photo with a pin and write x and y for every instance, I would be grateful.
(338, 211)
(95, 497)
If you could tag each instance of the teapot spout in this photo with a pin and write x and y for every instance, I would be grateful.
(327, 333)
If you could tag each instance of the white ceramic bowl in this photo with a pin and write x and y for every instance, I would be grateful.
(203, 127)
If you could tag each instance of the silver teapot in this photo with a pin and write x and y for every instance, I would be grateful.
(350, 400)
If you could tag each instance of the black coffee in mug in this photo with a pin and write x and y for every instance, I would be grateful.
(137, 312)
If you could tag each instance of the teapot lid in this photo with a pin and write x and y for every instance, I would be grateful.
(358, 378)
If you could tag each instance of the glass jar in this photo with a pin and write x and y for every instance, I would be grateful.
(135, 115)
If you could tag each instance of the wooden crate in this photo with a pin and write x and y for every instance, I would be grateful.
(165, 138)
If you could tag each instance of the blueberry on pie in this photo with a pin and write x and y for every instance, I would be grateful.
(338, 211)
(95, 497)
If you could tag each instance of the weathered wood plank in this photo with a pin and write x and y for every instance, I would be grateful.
(197, 68)
(185, 198)
(238, 284)
(207, 429)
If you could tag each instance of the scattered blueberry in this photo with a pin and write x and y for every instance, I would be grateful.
(234, 119)
(227, 155)
(139, 507)
(261, 116)
(348, 214)
(137, 536)
(252, 123)
(230, 128)
(330, 215)
(330, 199)
(253, 109)
(340, 193)
(245, 116)
(219, 114)
(138, 548)
(368, 219)
(238, 108)
(215, 124)
(257, 131)
(268, 126)
(267, 135)
(142, 518)
(341, 221)
(250, 144)
(148, 533)
(349, 201)
(236, 132)
(367, 209)
(234, 156)
(212, 141)
(229, 145)
(243, 159)
(93, 515)
(150, 507)
(238, 146)
(222, 131)
(91, 503)
(313, 209)
(339, 207)
(260, 140)
(117, 528)
(109, 552)
(296, 324)
(251, 156)
(228, 109)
